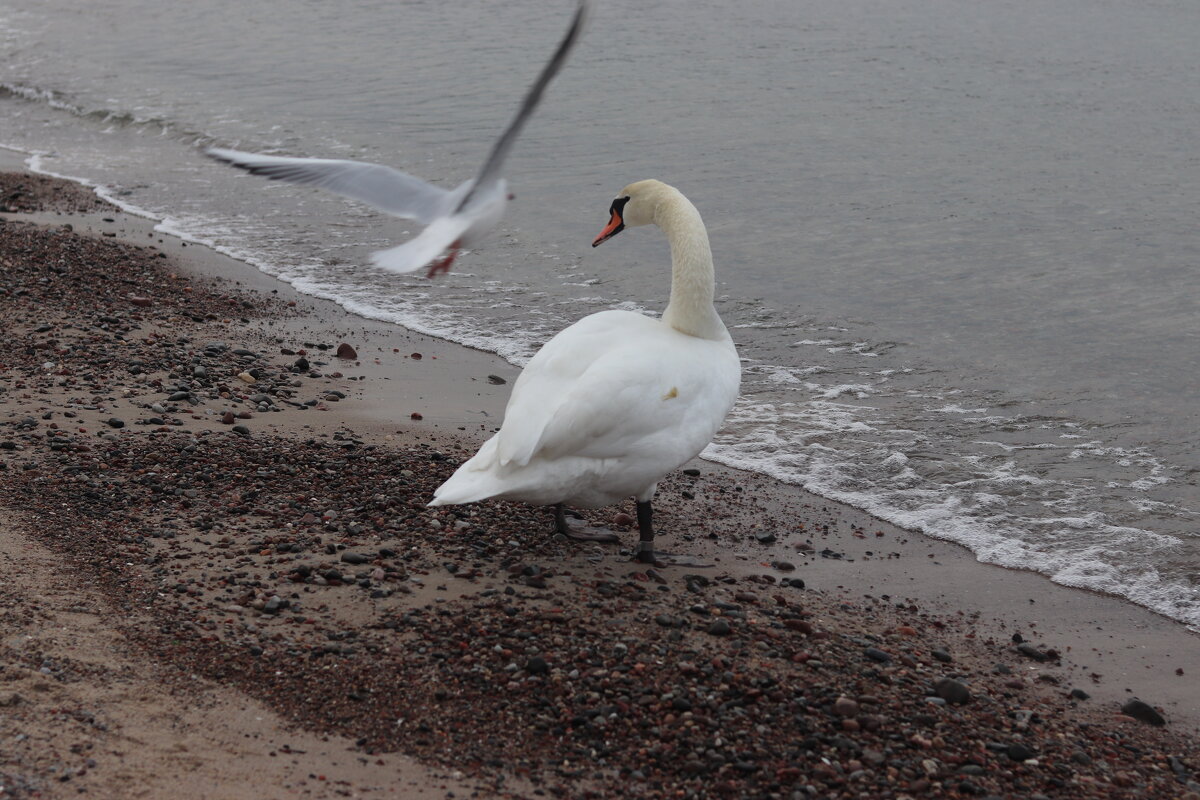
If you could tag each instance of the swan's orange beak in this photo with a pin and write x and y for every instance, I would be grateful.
(615, 225)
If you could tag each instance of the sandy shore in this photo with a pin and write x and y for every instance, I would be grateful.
(220, 580)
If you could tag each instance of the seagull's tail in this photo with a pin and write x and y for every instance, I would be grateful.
(423, 248)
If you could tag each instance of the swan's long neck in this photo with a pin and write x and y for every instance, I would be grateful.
(693, 282)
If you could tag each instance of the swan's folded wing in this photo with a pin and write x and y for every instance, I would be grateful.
(384, 188)
(546, 381)
(609, 414)
(613, 403)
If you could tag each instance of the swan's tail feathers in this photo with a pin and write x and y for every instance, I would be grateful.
(461, 489)
(472, 481)
(419, 251)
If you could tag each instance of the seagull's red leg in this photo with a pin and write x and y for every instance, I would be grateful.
(443, 263)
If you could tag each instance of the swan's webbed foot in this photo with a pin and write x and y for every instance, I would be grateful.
(581, 533)
(645, 552)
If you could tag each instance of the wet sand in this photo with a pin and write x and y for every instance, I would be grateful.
(252, 562)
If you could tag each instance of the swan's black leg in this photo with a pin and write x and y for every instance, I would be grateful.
(580, 534)
(645, 547)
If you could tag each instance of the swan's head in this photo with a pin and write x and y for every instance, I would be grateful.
(636, 204)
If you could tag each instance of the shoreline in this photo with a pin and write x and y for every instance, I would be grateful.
(871, 566)
(209, 260)
(454, 397)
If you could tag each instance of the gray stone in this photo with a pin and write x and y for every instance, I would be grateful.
(952, 691)
(1019, 752)
(1029, 651)
(720, 627)
(875, 654)
(1142, 711)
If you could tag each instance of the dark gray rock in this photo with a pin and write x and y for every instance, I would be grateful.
(1142, 711)
(952, 691)
(274, 605)
(1019, 752)
(875, 654)
(719, 627)
(1029, 651)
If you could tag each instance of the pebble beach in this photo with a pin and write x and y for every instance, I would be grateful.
(222, 580)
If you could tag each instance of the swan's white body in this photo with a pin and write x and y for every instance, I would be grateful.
(616, 401)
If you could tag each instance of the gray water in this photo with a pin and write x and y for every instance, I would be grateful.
(956, 241)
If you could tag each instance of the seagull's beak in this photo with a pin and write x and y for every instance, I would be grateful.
(615, 223)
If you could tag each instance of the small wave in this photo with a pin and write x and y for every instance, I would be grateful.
(107, 116)
(36, 164)
(36, 95)
(952, 409)
(859, 390)
(993, 505)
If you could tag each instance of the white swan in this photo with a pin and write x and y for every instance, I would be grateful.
(616, 401)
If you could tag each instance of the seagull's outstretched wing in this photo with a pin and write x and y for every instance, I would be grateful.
(495, 160)
(384, 188)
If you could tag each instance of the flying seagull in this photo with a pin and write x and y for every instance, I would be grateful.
(454, 219)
